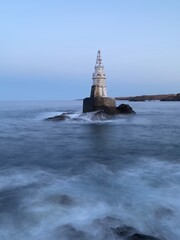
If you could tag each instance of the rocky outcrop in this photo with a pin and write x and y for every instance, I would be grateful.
(109, 112)
(70, 232)
(130, 233)
(124, 231)
(138, 236)
(96, 109)
(104, 114)
(113, 228)
(63, 200)
(106, 105)
(108, 228)
(143, 98)
(125, 109)
(61, 117)
(172, 98)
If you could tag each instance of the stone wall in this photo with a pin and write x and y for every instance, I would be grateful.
(106, 104)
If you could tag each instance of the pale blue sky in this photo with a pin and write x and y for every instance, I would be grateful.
(48, 47)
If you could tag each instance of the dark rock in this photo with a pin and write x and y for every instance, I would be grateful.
(138, 236)
(130, 233)
(103, 107)
(125, 109)
(69, 232)
(113, 228)
(124, 231)
(109, 222)
(62, 200)
(65, 200)
(106, 105)
(104, 228)
(61, 117)
(164, 212)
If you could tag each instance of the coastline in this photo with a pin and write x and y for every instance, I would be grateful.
(159, 97)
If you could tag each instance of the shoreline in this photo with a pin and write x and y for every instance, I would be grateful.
(159, 97)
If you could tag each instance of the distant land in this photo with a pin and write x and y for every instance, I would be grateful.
(160, 97)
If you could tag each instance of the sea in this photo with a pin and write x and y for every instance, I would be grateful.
(86, 178)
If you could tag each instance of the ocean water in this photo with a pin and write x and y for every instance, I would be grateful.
(81, 178)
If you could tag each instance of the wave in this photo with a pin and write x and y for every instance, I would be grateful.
(72, 117)
(94, 204)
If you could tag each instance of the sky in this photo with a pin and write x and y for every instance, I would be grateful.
(48, 48)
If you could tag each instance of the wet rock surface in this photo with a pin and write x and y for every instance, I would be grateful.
(125, 109)
(111, 228)
(61, 117)
(67, 232)
(108, 228)
(104, 113)
(108, 112)
(138, 236)
(108, 105)
(124, 231)
(63, 200)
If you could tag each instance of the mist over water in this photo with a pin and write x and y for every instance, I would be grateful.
(81, 178)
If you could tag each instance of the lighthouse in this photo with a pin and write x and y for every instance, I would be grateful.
(98, 100)
(98, 88)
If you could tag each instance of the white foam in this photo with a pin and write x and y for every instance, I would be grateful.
(145, 195)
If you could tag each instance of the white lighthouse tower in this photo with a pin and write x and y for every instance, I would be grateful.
(98, 99)
(98, 88)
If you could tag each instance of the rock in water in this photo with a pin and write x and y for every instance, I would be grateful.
(125, 109)
(124, 231)
(130, 233)
(105, 104)
(69, 232)
(61, 117)
(103, 108)
(138, 236)
(63, 200)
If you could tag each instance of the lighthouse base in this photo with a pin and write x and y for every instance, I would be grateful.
(106, 104)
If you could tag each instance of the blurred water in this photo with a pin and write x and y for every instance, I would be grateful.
(79, 178)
